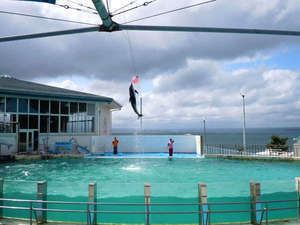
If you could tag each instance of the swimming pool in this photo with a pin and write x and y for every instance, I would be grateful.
(122, 180)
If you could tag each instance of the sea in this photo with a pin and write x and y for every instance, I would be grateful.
(254, 136)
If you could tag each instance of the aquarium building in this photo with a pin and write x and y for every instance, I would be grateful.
(35, 115)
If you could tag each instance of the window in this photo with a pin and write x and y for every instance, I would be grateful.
(53, 124)
(73, 107)
(2, 104)
(82, 107)
(33, 106)
(11, 105)
(23, 121)
(44, 126)
(64, 120)
(44, 106)
(64, 107)
(33, 122)
(23, 105)
(54, 107)
(91, 109)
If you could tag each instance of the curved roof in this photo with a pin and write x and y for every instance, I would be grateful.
(13, 86)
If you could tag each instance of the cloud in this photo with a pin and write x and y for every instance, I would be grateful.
(106, 56)
(189, 75)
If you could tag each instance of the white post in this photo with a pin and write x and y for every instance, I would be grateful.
(42, 195)
(92, 198)
(1, 196)
(147, 194)
(297, 182)
(254, 197)
(202, 200)
(244, 123)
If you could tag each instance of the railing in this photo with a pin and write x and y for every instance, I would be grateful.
(250, 150)
(205, 209)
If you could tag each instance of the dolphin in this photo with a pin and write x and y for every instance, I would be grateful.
(132, 99)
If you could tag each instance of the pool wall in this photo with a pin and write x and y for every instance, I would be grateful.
(130, 143)
(242, 211)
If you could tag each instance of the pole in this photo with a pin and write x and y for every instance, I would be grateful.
(147, 196)
(1, 196)
(254, 198)
(297, 182)
(244, 123)
(204, 132)
(92, 198)
(42, 195)
(141, 112)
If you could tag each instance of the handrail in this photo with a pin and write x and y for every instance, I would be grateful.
(137, 212)
(144, 204)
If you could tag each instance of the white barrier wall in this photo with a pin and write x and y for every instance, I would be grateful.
(128, 143)
(50, 140)
(8, 143)
(147, 143)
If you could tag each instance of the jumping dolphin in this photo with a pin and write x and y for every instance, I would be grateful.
(132, 99)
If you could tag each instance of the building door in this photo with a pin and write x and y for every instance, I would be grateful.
(22, 142)
(28, 140)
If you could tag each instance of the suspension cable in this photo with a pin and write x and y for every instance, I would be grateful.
(136, 7)
(82, 5)
(170, 11)
(45, 18)
(123, 7)
(77, 9)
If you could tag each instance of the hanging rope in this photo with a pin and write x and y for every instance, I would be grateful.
(136, 7)
(170, 11)
(45, 18)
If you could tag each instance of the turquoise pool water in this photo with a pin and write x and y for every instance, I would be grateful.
(122, 180)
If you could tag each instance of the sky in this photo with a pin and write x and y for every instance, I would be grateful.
(185, 77)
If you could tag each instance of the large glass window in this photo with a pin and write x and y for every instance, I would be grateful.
(2, 104)
(54, 107)
(73, 107)
(82, 107)
(64, 120)
(33, 122)
(23, 121)
(33, 106)
(23, 105)
(11, 104)
(53, 124)
(64, 107)
(44, 124)
(91, 109)
(44, 106)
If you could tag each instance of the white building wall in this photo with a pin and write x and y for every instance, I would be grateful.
(104, 120)
(8, 143)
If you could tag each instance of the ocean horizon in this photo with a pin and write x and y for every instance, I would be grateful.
(254, 136)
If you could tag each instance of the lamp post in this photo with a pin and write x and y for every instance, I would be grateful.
(244, 123)
(204, 132)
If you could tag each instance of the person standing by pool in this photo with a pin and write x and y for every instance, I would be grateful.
(170, 146)
(115, 144)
